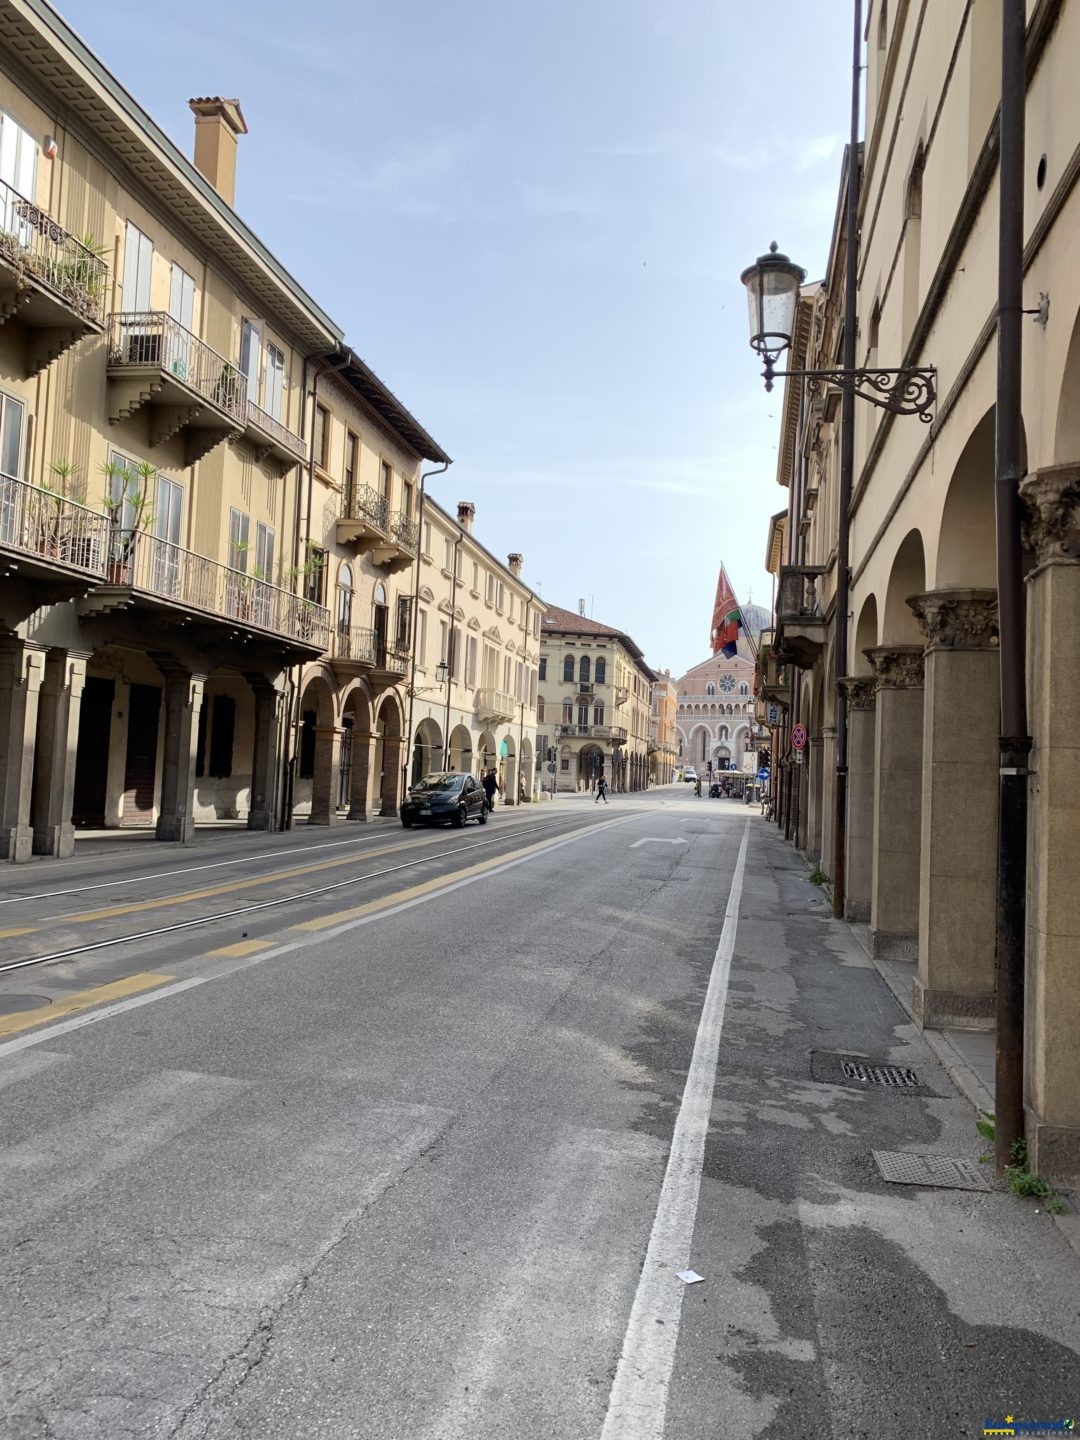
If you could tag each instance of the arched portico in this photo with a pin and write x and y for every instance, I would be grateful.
(356, 747)
(427, 752)
(461, 749)
(318, 752)
(389, 727)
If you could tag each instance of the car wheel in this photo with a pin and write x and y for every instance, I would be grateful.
(482, 817)
(460, 818)
(406, 822)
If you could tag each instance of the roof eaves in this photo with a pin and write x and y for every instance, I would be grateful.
(388, 407)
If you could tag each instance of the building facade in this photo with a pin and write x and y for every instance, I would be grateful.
(479, 622)
(664, 730)
(716, 712)
(176, 643)
(595, 705)
(922, 692)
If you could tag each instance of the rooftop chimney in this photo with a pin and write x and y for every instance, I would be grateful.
(515, 562)
(217, 124)
(466, 512)
(581, 607)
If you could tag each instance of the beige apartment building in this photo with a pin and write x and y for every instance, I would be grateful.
(476, 658)
(923, 689)
(663, 730)
(595, 706)
(189, 573)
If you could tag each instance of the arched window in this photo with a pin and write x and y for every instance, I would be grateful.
(568, 667)
(567, 710)
(710, 688)
(744, 689)
(344, 599)
(601, 669)
(584, 670)
(380, 594)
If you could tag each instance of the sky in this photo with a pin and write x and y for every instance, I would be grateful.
(531, 221)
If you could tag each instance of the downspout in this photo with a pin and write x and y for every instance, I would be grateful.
(288, 758)
(295, 723)
(847, 471)
(451, 646)
(525, 688)
(415, 617)
(1014, 742)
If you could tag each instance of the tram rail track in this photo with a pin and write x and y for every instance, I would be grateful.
(194, 922)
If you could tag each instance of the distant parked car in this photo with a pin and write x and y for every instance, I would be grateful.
(450, 797)
(690, 775)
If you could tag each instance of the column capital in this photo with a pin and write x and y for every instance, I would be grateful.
(960, 619)
(1052, 523)
(860, 691)
(897, 667)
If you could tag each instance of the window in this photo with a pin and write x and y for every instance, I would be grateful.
(536, 626)
(18, 169)
(540, 710)
(315, 574)
(568, 668)
(138, 263)
(710, 688)
(352, 465)
(402, 627)
(519, 681)
(470, 661)
(585, 670)
(407, 498)
(476, 578)
(11, 433)
(239, 525)
(564, 763)
(601, 670)
(264, 551)
(500, 598)
(510, 606)
(427, 537)
(448, 553)
(421, 638)
(543, 667)
(455, 656)
(506, 675)
(568, 711)
(320, 438)
(222, 731)
(489, 588)
(182, 310)
(387, 479)
(250, 345)
(532, 687)
(344, 599)
(274, 388)
(598, 715)
(744, 689)
(583, 714)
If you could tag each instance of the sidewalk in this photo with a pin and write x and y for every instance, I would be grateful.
(837, 1302)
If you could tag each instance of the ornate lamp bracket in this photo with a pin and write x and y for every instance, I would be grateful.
(904, 392)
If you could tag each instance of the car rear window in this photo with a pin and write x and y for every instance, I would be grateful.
(431, 783)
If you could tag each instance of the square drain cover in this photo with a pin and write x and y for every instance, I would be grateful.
(868, 1074)
(899, 1167)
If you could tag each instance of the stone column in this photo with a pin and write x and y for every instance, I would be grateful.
(59, 704)
(815, 780)
(859, 846)
(894, 890)
(958, 851)
(1052, 1001)
(324, 783)
(391, 775)
(183, 701)
(265, 754)
(22, 669)
(828, 797)
(360, 780)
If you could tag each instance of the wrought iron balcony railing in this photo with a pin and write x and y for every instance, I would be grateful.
(153, 340)
(405, 531)
(392, 659)
(281, 438)
(355, 644)
(32, 242)
(44, 523)
(367, 506)
(144, 564)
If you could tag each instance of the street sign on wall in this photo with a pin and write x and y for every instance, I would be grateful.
(772, 715)
(798, 737)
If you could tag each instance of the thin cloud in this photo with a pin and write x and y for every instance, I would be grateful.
(553, 201)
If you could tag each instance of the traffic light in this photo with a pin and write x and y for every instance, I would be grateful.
(551, 754)
(708, 767)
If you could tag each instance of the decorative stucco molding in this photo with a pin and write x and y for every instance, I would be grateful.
(1051, 499)
(860, 691)
(897, 667)
(957, 619)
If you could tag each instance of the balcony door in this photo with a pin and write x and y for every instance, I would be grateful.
(11, 445)
(382, 623)
(182, 310)
(168, 508)
(18, 174)
(274, 387)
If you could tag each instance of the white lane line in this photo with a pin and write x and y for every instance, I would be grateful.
(638, 1402)
(106, 1012)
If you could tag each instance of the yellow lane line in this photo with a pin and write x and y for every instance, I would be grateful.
(385, 902)
(7, 934)
(243, 947)
(80, 1000)
(208, 891)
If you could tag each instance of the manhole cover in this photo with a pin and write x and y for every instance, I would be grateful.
(868, 1074)
(859, 1072)
(12, 1004)
(899, 1167)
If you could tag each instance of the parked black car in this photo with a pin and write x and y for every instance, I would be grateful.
(449, 796)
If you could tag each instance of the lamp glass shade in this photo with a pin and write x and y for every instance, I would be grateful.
(772, 292)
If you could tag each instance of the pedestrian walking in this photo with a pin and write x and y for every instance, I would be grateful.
(490, 783)
(601, 791)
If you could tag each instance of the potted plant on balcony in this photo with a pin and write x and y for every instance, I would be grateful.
(127, 503)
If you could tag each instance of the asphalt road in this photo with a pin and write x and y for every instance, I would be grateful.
(420, 1156)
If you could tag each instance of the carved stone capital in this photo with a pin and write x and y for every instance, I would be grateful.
(1051, 500)
(897, 667)
(957, 619)
(860, 691)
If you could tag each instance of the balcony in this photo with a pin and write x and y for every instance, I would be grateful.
(584, 688)
(495, 705)
(800, 620)
(364, 519)
(397, 549)
(50, 282)
(353, 649)
(775, 676)
(615, 733)
(51, 541)
(391, 662)
(186, 388)
(274, 443)
(212, 600)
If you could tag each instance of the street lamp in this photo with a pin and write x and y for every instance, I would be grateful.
(442, 671)
(772, 289)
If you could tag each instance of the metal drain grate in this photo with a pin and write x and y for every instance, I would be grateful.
(868, 1074)
(899, 1167)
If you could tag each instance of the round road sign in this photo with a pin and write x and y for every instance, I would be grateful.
(798, 736)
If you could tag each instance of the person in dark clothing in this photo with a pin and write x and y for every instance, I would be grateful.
(601, 791)
(490, 783)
